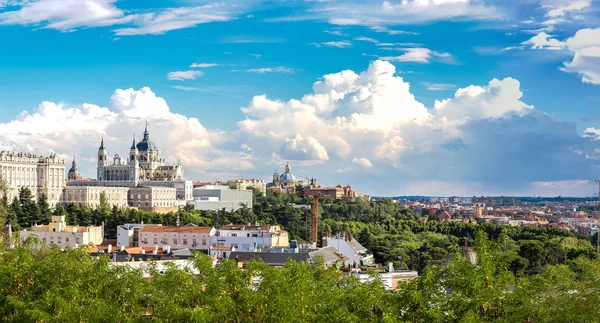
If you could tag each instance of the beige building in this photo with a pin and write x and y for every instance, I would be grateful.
(59, 233)
(42, 175)
(153, 198)
(188, 236)
(89, 196)
(245, 184)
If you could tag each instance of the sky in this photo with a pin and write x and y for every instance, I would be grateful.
(398, 97)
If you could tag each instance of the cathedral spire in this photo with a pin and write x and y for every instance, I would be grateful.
(74, 164)
(102, 142)
(133, 144)
(146, 133)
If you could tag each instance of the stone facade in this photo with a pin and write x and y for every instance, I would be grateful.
(63, 235)
(153, 198)
(89, 196)
(42, 175)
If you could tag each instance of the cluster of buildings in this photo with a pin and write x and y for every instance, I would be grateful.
(136, 243)
(288, 183)
(568, 214)
(141, 180)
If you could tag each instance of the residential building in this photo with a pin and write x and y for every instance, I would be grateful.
(127, 234)
(177, 237)
(42, 175)
(59, 233)
(249, 237)
(221, 252)
(346, 244)
(218, 197)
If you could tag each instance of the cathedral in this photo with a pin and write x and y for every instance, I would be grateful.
(143, 164)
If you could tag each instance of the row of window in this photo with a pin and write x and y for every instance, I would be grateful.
(175, 241)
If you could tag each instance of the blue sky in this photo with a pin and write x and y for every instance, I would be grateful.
(424, 117)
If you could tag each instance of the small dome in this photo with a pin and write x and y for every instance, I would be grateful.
(74, 173)
(289, 177)
(146, 144)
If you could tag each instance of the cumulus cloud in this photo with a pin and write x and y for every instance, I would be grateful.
(184, 75)
(461, 139)
(499, 98)
(299, 148)
(585, 46)
(362, 162)
(76, 130)
(586, 60)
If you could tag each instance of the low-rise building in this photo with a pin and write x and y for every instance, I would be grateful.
(127, 234)
(154, 198)
(176, 237)
(89, 196)
(218, 197)
(245, 184)
(59, 233)
(346, 244)
(249, 237)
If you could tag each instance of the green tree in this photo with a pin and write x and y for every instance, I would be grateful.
(44, 210)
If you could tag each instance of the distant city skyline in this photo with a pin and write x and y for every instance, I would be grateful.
(439, 98)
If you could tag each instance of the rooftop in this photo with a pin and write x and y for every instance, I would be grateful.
(202, 229)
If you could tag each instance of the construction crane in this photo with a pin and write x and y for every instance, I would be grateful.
(315, 217)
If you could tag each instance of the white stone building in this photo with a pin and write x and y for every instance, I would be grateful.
(42, 175)
(63, 235)
(249, 237)
(246, 184)
(153, 198)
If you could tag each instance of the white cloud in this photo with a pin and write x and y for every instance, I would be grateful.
(438, 86)
(262, 70)
(299, 148)
(544, 41)
(419, 55)
(185, 88)
(362, 162)
(367, 39)
(384, 29)
(384, 13)
(203, 65)
(338, 44)
(184, 75)
(585, 46)
(177, 18)
(68, 15)
(65, 15)
(586, 60)
(560, 8)
(496, 100)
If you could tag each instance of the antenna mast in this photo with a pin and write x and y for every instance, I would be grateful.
(598, 231)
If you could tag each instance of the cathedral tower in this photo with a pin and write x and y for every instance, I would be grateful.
(102, 160)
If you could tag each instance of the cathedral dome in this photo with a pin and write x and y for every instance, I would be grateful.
(289, 178)
(146, 144)
(74, 173)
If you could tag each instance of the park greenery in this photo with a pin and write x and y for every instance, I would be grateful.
(522, 274)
